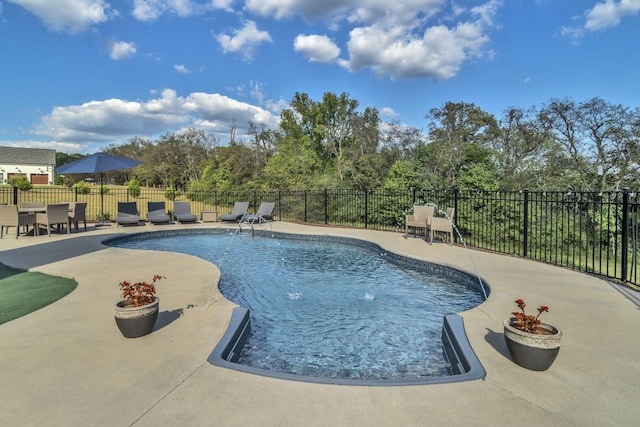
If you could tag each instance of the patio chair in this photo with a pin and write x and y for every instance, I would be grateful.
(127, 214)
(182, 212)
(238, 212)
(10, 217)
(264, 214)
(442, 224)
(421, 216)
(36, 206)
(55, 214)
(77, 213)
(157, 213)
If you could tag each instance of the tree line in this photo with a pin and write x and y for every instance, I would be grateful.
(330, 143)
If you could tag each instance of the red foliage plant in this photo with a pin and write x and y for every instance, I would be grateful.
(139, 293)
(528, 322)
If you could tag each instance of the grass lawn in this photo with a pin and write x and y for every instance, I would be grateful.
(25, 292)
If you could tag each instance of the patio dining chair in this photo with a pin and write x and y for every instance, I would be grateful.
(55, 214)
(10, 217)
(419, 219)
(77, 213)
(442, 224)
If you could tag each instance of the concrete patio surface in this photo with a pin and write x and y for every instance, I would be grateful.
(68, 365)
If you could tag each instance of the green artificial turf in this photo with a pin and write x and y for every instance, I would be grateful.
(25, 292)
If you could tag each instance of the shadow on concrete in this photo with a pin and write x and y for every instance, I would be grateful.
(165, 318)
(496, 340)
(45, 252)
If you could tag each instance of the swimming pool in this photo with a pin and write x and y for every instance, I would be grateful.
(340, 310)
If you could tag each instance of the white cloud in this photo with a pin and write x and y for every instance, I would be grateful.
(402, 39)
(602, 17)
(244, 40)
(181, 69)
(388, 112)
(608, 14)
(68, 15)
(122, 50)
(308, 8)
(317, 48)
(117, 119)
(150, 10)
(438, 53)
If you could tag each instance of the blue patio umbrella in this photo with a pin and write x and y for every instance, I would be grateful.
(98, 163)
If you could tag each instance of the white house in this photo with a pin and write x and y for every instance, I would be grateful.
(36, 164)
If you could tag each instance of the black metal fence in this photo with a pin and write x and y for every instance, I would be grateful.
(596, 233)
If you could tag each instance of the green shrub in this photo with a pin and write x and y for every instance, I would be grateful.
(81, 187)
(170, 194)
(104, 189)
(21, 182)
(133, 188)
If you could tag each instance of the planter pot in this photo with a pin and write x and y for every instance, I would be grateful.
(135, 322)
(532, 351)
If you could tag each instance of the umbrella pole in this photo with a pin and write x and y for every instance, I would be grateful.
(101, 223)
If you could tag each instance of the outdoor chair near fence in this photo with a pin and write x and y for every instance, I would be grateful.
(419, 219)
(127, 214)
(55, 214)
(264, 213)
(182, 212)
(239, 211)
(10, 217)
(37, 206)
(77, 213)
(157, 213)
(442, 224)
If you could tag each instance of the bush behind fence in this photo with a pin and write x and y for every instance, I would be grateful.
(594, 232)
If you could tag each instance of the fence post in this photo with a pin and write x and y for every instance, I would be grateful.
(413, 195)
(15, 197)
(525, 225)
(366, 208)
(305, 205)
(456, 196)
(625, 233)
(326, 206)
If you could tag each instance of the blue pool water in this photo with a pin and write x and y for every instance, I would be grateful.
(329, 309)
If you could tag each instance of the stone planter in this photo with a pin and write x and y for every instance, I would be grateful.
(532, 351)
(135, 322)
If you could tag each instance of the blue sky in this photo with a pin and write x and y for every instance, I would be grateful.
(78, 75)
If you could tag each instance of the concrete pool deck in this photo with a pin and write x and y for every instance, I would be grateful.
(67, 364)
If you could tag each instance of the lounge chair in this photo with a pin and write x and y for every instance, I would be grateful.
(421, 216)
(157, 213)
(182, 212)
(442, 224)
(56, 214)
(127, 214)
(264, 214)
(238, 212)
(10, 217)
(77, 213)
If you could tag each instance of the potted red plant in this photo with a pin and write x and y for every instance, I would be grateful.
(137, 312)
(532, 344)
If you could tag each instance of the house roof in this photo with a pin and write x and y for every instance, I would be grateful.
(27, 156)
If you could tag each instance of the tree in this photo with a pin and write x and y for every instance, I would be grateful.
(521, 148)
(460, 135)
